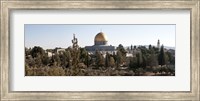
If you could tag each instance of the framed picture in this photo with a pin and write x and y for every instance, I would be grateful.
(100, 50)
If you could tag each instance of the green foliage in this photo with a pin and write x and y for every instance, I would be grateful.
(75, 57)
(162, 57)
(37, 52)
(144, 59)
(27, 51)
(112, 61)
(83, 55)
(99, 59)
(139, 59)
(119, 58)
(68, 58)
(171, 58)
(45, 60)
(38, 61)
(150, 47)
(139, 71)
(56, 60)
(133, 64)
(77, 62)
(107, 60)
(152, 60)
(56, 71)
(121, 49)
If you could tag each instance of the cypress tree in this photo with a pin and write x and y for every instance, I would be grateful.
(161, 57)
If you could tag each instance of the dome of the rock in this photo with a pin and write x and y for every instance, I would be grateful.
(100, 39)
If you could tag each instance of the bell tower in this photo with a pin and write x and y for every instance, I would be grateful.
(158, 44)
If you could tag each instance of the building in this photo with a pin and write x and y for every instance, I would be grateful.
(101, 44)
(60, 50)
(158, 44)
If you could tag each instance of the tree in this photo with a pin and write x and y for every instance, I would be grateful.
(55, 60)
(83, 55)
(143, 50)
(68, 58)
(88, 58)
(38, 61)
(144, 63)
(162, 57)
(37, 52)
(122, 50)
(171, 58)
(107, 60)
(131, 47)
(115, 57)
(156, 50)
(99, 59)
(75, 53)
(150, 47)
(75, 57)
(119, 58)
(45, 59)
(152, 60)
(27, 51)
(63, 59)
(133, 64)
(139, 59)
(56, 71)
(30, 61)
(112, 61)
(151, 50)
(135, 47)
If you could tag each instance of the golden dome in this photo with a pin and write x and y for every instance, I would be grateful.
(101, 37)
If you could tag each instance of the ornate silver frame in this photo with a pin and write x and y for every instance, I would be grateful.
(8, 5)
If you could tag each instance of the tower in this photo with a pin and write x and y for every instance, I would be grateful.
(158, 44)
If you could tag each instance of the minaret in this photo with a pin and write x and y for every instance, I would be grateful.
(158, 44)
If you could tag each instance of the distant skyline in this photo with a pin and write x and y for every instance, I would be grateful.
(49, 36)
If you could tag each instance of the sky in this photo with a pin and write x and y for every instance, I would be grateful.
(49, 36)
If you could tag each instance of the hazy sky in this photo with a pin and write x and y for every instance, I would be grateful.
(52, 35)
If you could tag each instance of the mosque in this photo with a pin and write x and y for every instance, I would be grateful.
(101, 44)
